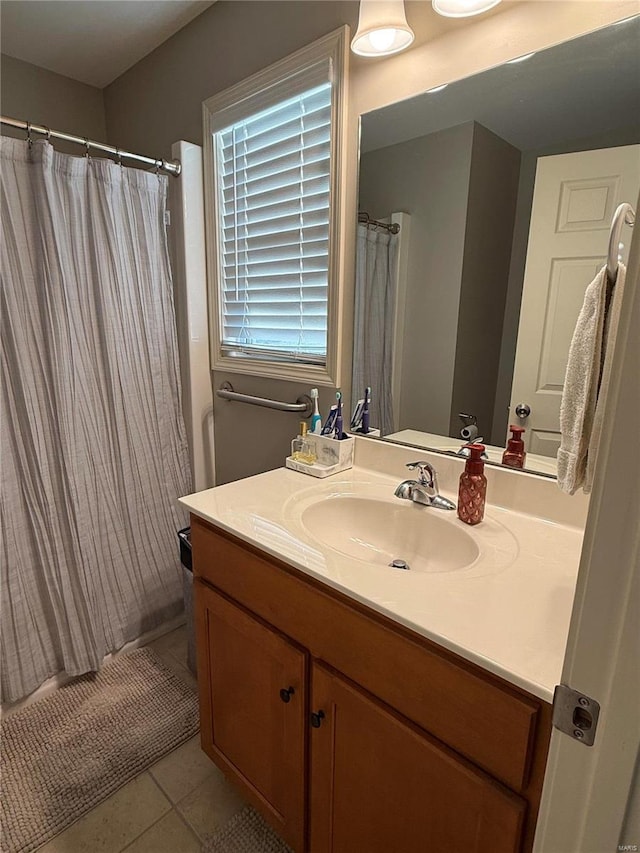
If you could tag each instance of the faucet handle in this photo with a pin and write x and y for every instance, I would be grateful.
(426, 479)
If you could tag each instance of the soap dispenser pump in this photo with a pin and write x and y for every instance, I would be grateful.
(472, 492)
(515, 455)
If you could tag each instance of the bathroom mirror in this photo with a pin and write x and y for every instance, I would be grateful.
(503, 185)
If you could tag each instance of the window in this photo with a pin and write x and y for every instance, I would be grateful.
(272, 167)
(273, 197)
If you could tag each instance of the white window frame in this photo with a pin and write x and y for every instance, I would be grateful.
(254, 94)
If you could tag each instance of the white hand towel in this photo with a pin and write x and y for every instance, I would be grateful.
(580, 396)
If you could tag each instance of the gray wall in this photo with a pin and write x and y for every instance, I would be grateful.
(247, 437)
(158, 102)
(42, 97)
(427, 177)
(460, 187)
(493, 192)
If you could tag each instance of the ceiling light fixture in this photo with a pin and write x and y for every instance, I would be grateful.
(462, 8)
(382, 28)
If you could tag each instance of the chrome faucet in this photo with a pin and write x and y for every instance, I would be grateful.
(464, 450)
(424, 490)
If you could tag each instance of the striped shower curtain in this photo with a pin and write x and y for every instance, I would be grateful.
(375, 300)
(93, 447)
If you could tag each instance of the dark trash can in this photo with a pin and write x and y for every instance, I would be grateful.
(184, 536)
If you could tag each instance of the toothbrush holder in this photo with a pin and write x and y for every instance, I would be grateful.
(332, 455)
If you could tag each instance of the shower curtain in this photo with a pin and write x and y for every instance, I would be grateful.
(376, 282)
(93, 444)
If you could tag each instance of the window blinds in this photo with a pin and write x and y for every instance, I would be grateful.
(273, 228)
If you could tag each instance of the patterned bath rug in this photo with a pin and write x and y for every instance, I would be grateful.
(64, 754)
(246, 832)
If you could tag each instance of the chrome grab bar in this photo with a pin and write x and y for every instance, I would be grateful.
(303, 405)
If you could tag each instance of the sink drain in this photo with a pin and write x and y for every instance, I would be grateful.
(399, 564)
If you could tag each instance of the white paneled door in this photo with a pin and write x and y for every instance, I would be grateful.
(574, 200)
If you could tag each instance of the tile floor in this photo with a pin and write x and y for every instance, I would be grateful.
(169, 808)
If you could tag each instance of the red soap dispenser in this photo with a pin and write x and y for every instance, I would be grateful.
(472, 492)
(515, 455)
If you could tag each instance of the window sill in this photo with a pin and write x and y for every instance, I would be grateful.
(311, 374)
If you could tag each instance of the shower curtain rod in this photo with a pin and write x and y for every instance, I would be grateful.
(172, 167)
(365, 219)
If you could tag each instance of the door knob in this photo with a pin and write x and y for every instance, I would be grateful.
(316, 719)
(523, 410)
(286, 694)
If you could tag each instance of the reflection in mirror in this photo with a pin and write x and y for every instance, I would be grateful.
(504, 186)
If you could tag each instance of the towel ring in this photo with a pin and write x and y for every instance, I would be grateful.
(624, 215)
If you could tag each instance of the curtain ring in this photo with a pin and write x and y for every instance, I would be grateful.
(158, 166)
(48, 129)
(29, 139)
(119, 157)
(86, 147)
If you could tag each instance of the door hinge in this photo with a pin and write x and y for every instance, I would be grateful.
(575, 714)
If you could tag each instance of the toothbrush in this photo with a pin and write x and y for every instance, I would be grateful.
(338, 429)
(329, 424)
(365, 411)
(316, 420)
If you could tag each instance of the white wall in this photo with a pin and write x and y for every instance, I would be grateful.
(186, 232)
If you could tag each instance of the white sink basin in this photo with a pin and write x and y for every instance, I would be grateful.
(380, 531)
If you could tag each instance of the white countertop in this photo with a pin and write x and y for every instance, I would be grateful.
(509, 611)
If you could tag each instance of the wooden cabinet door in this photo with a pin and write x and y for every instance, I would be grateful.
(378, 784)
(252, 730)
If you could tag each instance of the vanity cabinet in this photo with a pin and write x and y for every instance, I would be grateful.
(349, 732)
(253, 711)
(380, 784)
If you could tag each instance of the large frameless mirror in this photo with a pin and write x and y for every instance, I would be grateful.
(500, 189)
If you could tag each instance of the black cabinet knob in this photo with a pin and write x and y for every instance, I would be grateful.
(286, 694)
(316, 719)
